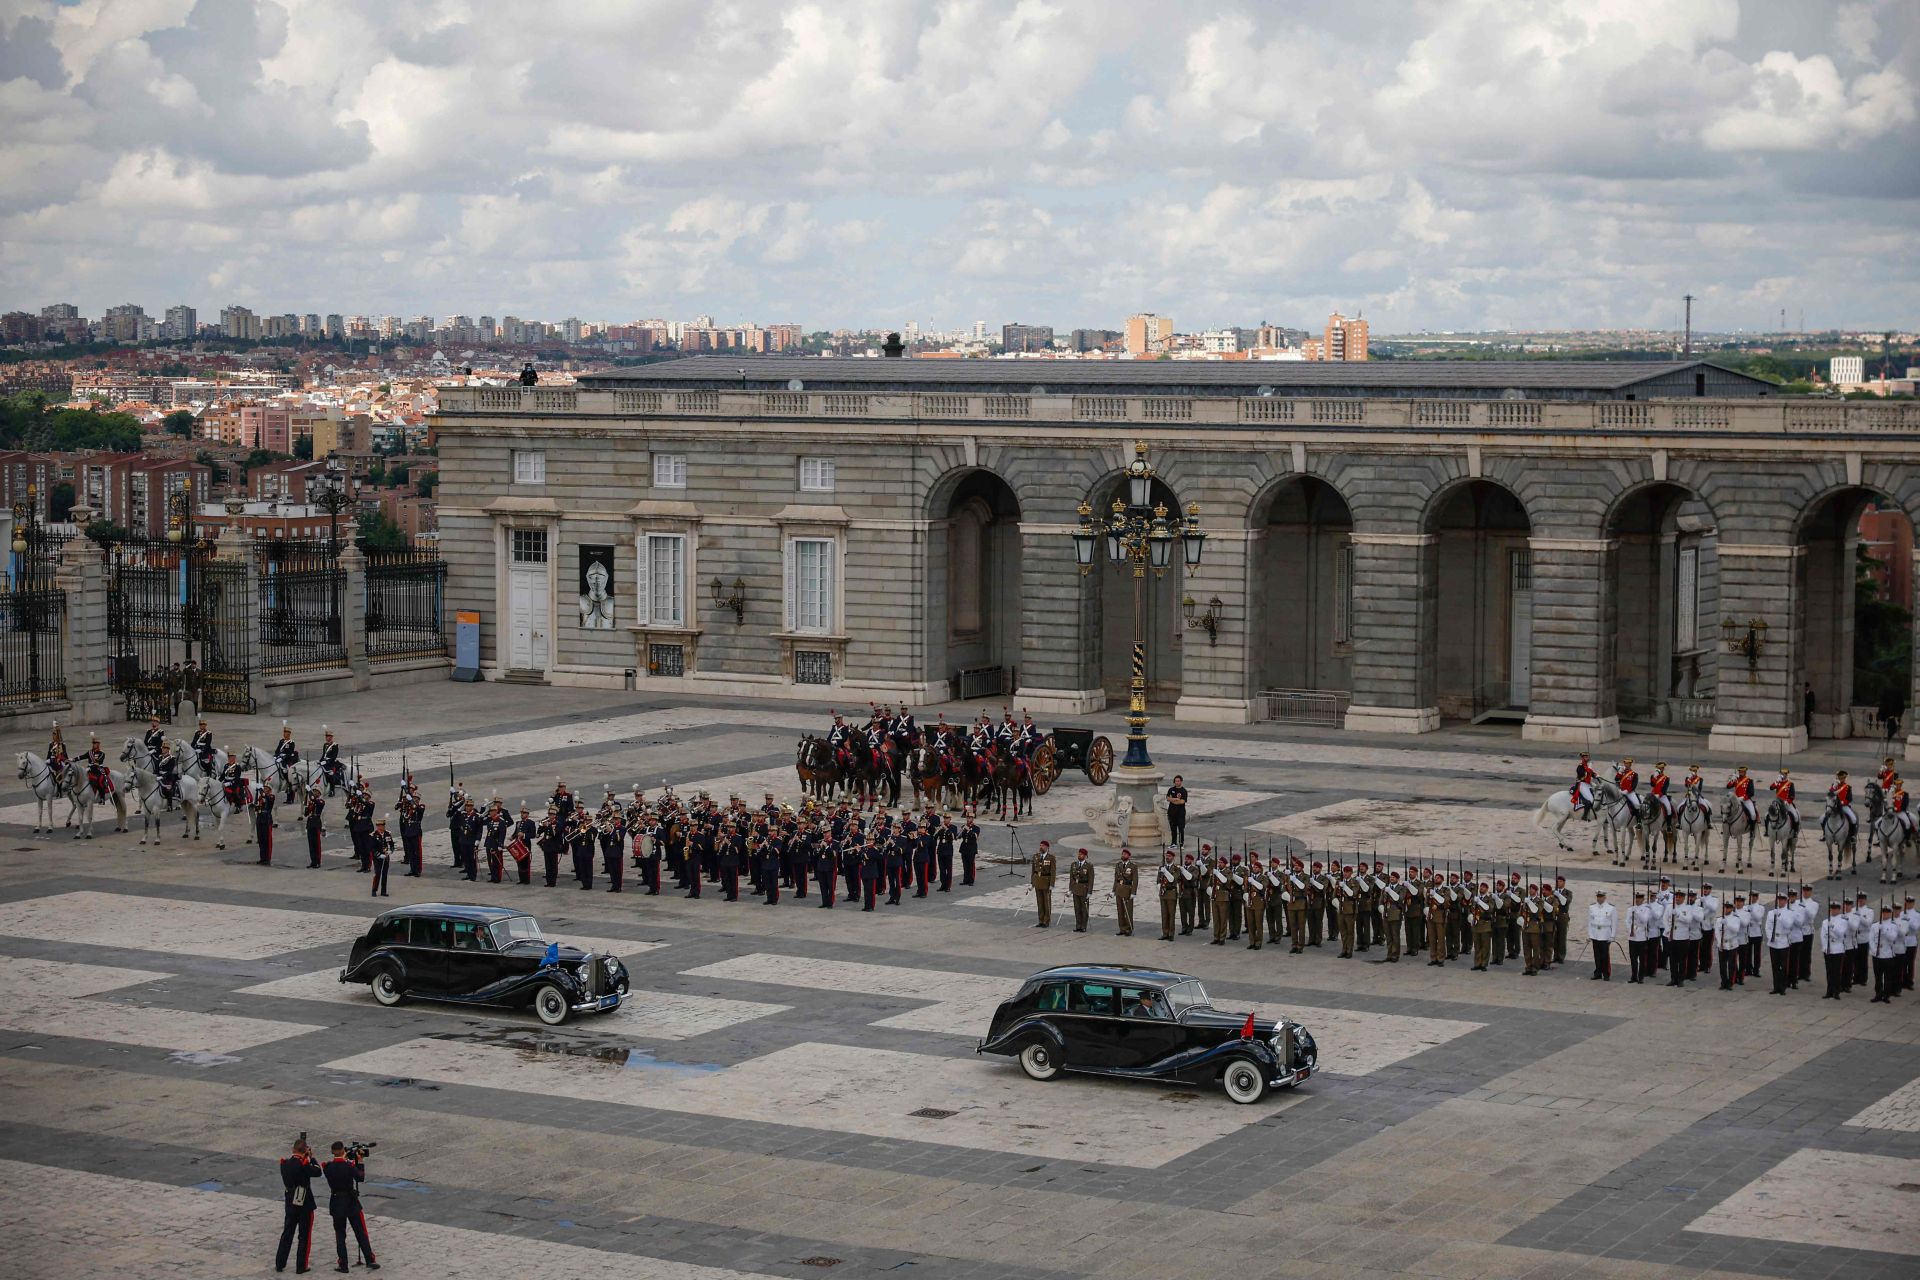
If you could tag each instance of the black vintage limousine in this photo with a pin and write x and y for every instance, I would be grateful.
(1145, 1024)
(481, 956)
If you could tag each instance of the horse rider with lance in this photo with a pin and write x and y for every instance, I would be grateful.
(286, 755)
(167, 771)
(1583, 786)
(202, 744)
(1841, 793)
(1782, 788)
(57, 758)
(233, 781)
(1657, 786)
(1628, 781)
(330, 768)
(1742, 787)
(1885, 776)
(99, 775)
(153, 739)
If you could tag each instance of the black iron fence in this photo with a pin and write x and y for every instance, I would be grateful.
(301, 593)
(405, 603)
(32, 639)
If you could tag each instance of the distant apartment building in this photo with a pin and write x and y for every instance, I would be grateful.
(267, 424)
(28, 475)
(1887, 536)
(352, 434)
(118, 388)
(1020, 338)
(1847, 371)
(182, 322)
(293, 482)
(1085, 340)
(239, 322)
(1148, 334)
(271, 520)
(1343, 339)
(133, 490)
(19, 326)
(1219, 341)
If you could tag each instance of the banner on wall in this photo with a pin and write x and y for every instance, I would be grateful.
(596, 588)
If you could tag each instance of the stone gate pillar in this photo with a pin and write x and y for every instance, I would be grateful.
(1571, 693)
(1395, 589)
(87, 656)
(353, 615)
(1756, 706)
(1059, 625)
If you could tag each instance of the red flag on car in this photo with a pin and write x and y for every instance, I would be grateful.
(1246, 1032)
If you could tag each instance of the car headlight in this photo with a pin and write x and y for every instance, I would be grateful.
(612, 966)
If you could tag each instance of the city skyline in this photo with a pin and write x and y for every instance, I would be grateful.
(1476, 166)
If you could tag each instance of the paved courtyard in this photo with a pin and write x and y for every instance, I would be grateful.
(169, 1019)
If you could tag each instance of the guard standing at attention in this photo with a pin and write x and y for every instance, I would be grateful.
(1481, 921)
(1392, 908)
(525, 832)
(551, 838)
(380, 849)
(1219, 888)
(1190, 890)
(1080, 886)
(263, 824)
(1602, 923)
(1203, 904)
(297, 1173)
(1255, 906)
(1349, 903)
(315, 808)
(1126, 880)
(969, 848)
(1166, 883)
(1040, 876)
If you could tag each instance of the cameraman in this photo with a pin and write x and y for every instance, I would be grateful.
(297, 1173)
(345, 1172)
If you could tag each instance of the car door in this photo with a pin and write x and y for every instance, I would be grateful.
(472, 963)
(1144, 1030)
(1093, 1033)
(426, 955)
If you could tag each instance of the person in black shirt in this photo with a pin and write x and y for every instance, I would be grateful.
(297, 1173)
(344, 1177)
(1177, 813)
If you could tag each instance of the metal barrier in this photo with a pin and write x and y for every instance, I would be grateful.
(32, 639)
(405, 597)
(300, 613)
(1325, 707)
(984, 682)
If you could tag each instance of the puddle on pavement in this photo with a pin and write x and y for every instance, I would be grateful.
(538, 1048)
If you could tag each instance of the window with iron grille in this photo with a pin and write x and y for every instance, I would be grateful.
(812, 666)
(529, 546)
(529, 466)
(670, 470)
(666, 660)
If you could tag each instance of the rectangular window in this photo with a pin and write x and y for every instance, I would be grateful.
(529, 546)
(810, 585)
(1343, 594)
(663, 584)
(529, 466)
(816, 475)
(670, 470)
(1686, 613)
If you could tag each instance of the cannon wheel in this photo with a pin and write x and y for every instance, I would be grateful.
(1100, 761)
(1045, 767)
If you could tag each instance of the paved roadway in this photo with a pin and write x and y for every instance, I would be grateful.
(168, 1020)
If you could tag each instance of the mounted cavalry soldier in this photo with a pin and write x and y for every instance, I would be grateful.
(1028, 738)
(167, 770)
(1583, 786)
(1901, 805)
(1628, 781)
(285, 753)
(202, 744)
(330, 767)
(1657, 788)
(1782, 787)
(153, 739)
(1841, 793)
(56, 752)
(1742, 787)
(233, 782)
(99, 776)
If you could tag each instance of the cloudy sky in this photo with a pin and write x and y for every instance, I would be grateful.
(1453, 164)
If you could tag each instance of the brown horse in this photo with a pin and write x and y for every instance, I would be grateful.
(819, 772)
(927, 768)
(1012, 778)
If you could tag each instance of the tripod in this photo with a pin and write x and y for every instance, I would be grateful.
(1019, 854)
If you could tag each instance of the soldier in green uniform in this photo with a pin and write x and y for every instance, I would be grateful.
(1459, 928)
(1562, 915)
(1332, 900)
(1482, 921)
(1392, 908)
(1276, 905)
(1316, 904)
(1256, 903)
(1218, 884)
(1348, 893)
(1080, 886)
(1533, 920)
(1416, 913)
(1439, 903)
(1293, 892)
(1040, 876)
(1126, 879)
(1203, 901)
(1190, 890)
(1166, 883)
(1236, 897)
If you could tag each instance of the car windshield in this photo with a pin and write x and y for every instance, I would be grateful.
(1182, 996)
(515, 929)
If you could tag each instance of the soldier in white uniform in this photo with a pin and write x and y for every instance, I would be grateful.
(1729, 939)
(1709, 920)
(1602, 923)
(1862, 921)
(1835, 938)
(1807, 909)
(1885, 944)
(1684, 940)
(1778, 929)
(1639, 937)
(1910, 924)
(1756, 927)
(1662, 904)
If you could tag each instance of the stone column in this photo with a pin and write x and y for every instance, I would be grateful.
(1059, 620)
(353, 615)
(1395, 577)
(1571, 696)
(1756, 708)
(1214, 675)
(87, 654)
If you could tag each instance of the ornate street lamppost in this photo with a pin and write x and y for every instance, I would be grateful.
(1141, 535)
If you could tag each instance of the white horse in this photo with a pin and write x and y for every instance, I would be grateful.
(146, 793)
(84, 800)
(1783, 837)
(1839, 840)
(190, 770)
(1616, 825)
(218, 808)
(49, 785)
(1558, 806)
(1893, 838)
(1694, 821)
(287, 782)
(1739, 830)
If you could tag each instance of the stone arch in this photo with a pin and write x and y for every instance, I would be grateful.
(973, 583)
(1477, 649)
(1663, 573)
(1300, 585)
(1848, 655)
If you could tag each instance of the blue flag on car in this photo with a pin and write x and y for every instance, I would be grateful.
(553, 953)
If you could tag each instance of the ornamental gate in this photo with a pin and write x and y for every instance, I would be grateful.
(178, 627)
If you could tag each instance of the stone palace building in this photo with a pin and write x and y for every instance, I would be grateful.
(1566, 545)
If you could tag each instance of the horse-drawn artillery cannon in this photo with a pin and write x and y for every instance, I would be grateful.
(1072, 749)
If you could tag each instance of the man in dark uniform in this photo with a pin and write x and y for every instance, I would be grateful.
(202, 744)
(520, 844)
(869, 874)
(360, 826)
(943, 838)
(969, 848)
(727, 853)
(153, 739)
(580, 842)
(493, 835)
(826, 867)
(411, 851)
(612, 833)
(923, 855)
(263, 824)
(1177, 812)
(286, 754)
(344, 1177)
(297, 1173)
(380, 855)
(456, 805)
(331, 770)
(166, 772)
(896, 864)
(551, 837)
(315, 807)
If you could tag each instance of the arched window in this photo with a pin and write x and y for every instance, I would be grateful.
(967, 561)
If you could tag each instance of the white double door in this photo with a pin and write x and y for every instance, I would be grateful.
(529, 590)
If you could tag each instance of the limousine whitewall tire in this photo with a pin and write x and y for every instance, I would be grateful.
(550, 1005)
(1244, 1082)
(386, 988)
(1039, 1061)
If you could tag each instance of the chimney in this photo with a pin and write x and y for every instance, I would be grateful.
(893, 348)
